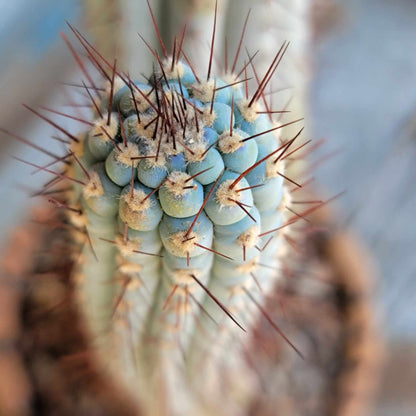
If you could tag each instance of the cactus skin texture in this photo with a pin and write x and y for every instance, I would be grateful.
(178, 203)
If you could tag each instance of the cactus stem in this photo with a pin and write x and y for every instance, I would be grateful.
(185, 204)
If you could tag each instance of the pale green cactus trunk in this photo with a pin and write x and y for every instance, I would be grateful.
(183, 246)
(182, 196)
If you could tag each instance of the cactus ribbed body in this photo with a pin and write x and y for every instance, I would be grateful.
(183, 198)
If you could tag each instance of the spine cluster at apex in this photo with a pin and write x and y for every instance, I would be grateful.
(191, 172)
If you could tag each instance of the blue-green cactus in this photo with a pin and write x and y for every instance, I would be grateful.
(181, 193)
(191, 185)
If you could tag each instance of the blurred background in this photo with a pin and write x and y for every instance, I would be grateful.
(354, 68)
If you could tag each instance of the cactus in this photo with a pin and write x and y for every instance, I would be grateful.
(178, 205)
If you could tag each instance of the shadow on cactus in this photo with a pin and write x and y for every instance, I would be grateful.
(182, 220)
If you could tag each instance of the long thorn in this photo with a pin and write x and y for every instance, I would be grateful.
(211, 295)
(72, 137)
(29, 143)
(282, 148)
(211, 55)
(80, 63)
(67, 115)
(240, 42)
(202, 206)
(61, 175)
(157, 30)
(278, 330)
(110, 101)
